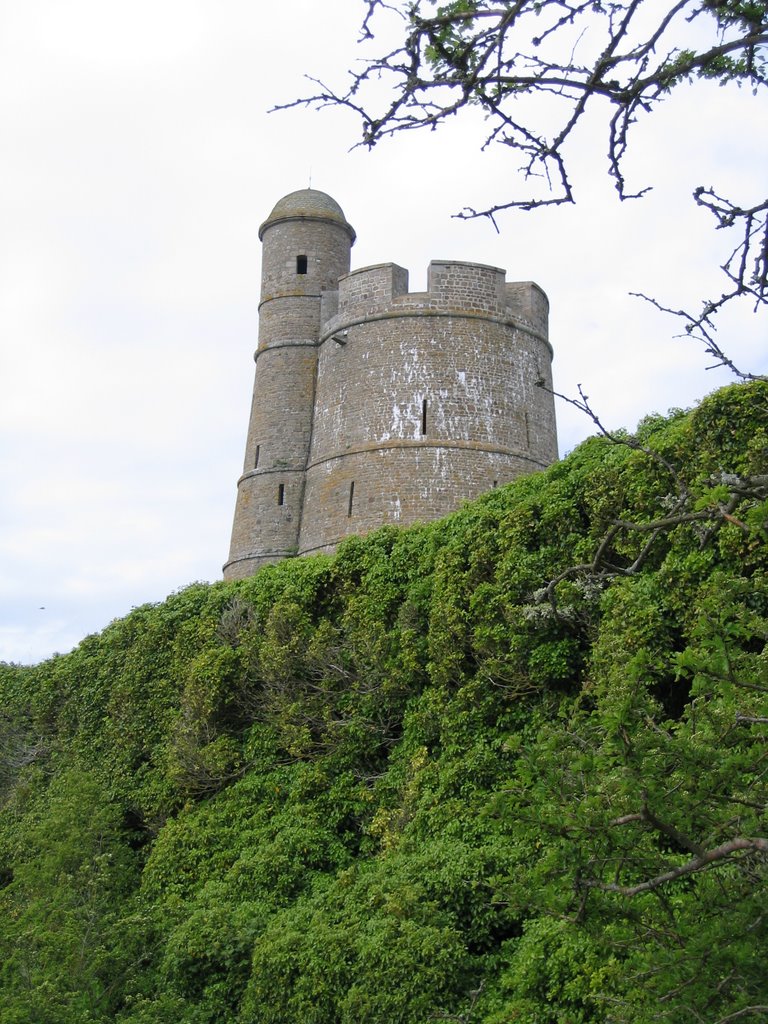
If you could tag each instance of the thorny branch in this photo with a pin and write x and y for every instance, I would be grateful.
(746, 270)
(535, 69)
(740, 846)
(744, 1012)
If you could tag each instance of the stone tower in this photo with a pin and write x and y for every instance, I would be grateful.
(306, 243)
(373, 404)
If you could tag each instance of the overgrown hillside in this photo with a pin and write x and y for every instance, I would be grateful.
(506, 767)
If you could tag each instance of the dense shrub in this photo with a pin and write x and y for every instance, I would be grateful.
(509, 766)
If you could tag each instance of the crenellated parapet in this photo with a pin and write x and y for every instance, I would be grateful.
(453, 288)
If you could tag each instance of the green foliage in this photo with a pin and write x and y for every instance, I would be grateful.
(61, 946)
(415, 781)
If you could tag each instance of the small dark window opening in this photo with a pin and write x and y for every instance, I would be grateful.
(351, 497)
(256, 457)
(424, 416)
(301, 264)
(281, 494)
(495, 483)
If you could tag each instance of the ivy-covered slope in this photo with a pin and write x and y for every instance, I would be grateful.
(506, 767)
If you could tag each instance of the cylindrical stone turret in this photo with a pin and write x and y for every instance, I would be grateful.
(306, 249)
(425, 400)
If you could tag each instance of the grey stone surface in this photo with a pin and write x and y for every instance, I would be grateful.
(373, 404)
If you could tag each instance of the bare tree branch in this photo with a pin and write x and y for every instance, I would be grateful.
(536, 68)
(745, 1011)
(727, 851)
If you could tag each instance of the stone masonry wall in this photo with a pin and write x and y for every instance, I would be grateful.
(326, 246)
(423, 400)
(397, 485)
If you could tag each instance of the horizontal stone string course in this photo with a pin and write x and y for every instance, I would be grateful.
(424, 445)
(373, 404)
(338, 323)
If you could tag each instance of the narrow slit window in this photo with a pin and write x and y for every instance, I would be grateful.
(301, 264)
(256, 457)
(351, 498)
(424, 416)
(495, 483)
(281, 494)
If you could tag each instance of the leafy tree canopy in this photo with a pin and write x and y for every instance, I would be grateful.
(508, 766)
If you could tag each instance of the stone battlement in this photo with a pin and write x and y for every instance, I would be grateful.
(454, 288)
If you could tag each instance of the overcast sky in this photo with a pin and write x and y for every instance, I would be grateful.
(137, 160)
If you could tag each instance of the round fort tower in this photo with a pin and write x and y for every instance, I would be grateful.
(426, 399)
(306, 243)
